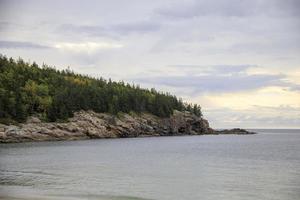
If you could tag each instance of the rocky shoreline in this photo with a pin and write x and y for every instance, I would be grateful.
(90, 125)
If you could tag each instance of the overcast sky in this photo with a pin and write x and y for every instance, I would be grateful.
(239, 59)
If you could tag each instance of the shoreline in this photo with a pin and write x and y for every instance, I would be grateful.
(116, 138)
(90, 125)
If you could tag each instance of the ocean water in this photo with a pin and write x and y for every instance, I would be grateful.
(231, 167)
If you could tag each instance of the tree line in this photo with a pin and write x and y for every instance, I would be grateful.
(27, 89)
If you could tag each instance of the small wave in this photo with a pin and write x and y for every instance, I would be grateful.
(99, 197)
(29, 172)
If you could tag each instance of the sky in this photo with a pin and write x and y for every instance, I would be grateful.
(238, 59)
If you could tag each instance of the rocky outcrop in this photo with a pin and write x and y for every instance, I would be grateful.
(236, 131)
(88, 124)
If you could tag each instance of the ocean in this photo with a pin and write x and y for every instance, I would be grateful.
(231, 167)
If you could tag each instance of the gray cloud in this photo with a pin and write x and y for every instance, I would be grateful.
(217, 83)
(140, 27)
(84, 29)
(21, 45)
(219, 69)
(114, 30)
(223, 78)
(204, 8)
(234, 8)
(231, 69)
(4, 25)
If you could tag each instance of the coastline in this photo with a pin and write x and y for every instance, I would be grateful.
(90, 125)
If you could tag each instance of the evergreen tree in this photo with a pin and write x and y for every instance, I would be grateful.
(27, 89)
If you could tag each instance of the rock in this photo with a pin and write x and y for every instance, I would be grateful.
(12, 130)
(33, 120)
(236, 131)
(88, 124)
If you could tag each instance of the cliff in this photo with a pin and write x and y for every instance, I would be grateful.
(88, 124)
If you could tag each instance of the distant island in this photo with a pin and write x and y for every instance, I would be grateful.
(43, 103)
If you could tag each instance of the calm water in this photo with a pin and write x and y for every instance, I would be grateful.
(263, 166)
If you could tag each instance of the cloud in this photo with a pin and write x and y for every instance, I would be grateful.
(234, 8)
(218, 79)
(5, 25)
(282, 116)
(281, 108)
(113, 30)
(90, 30)
(21, 45)
(295, 87)
(221, 69)
(230, 69)
(88, 47)
(204, 8)
(136, 27)
(217, 83)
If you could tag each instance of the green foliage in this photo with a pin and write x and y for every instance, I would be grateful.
(27, 89)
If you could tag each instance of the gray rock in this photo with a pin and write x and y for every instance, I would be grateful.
(33, 120)
(236, 131)
(88, 124)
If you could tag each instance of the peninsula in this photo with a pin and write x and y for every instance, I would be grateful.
(45, 104)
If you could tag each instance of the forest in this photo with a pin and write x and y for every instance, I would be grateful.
(27, 89)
